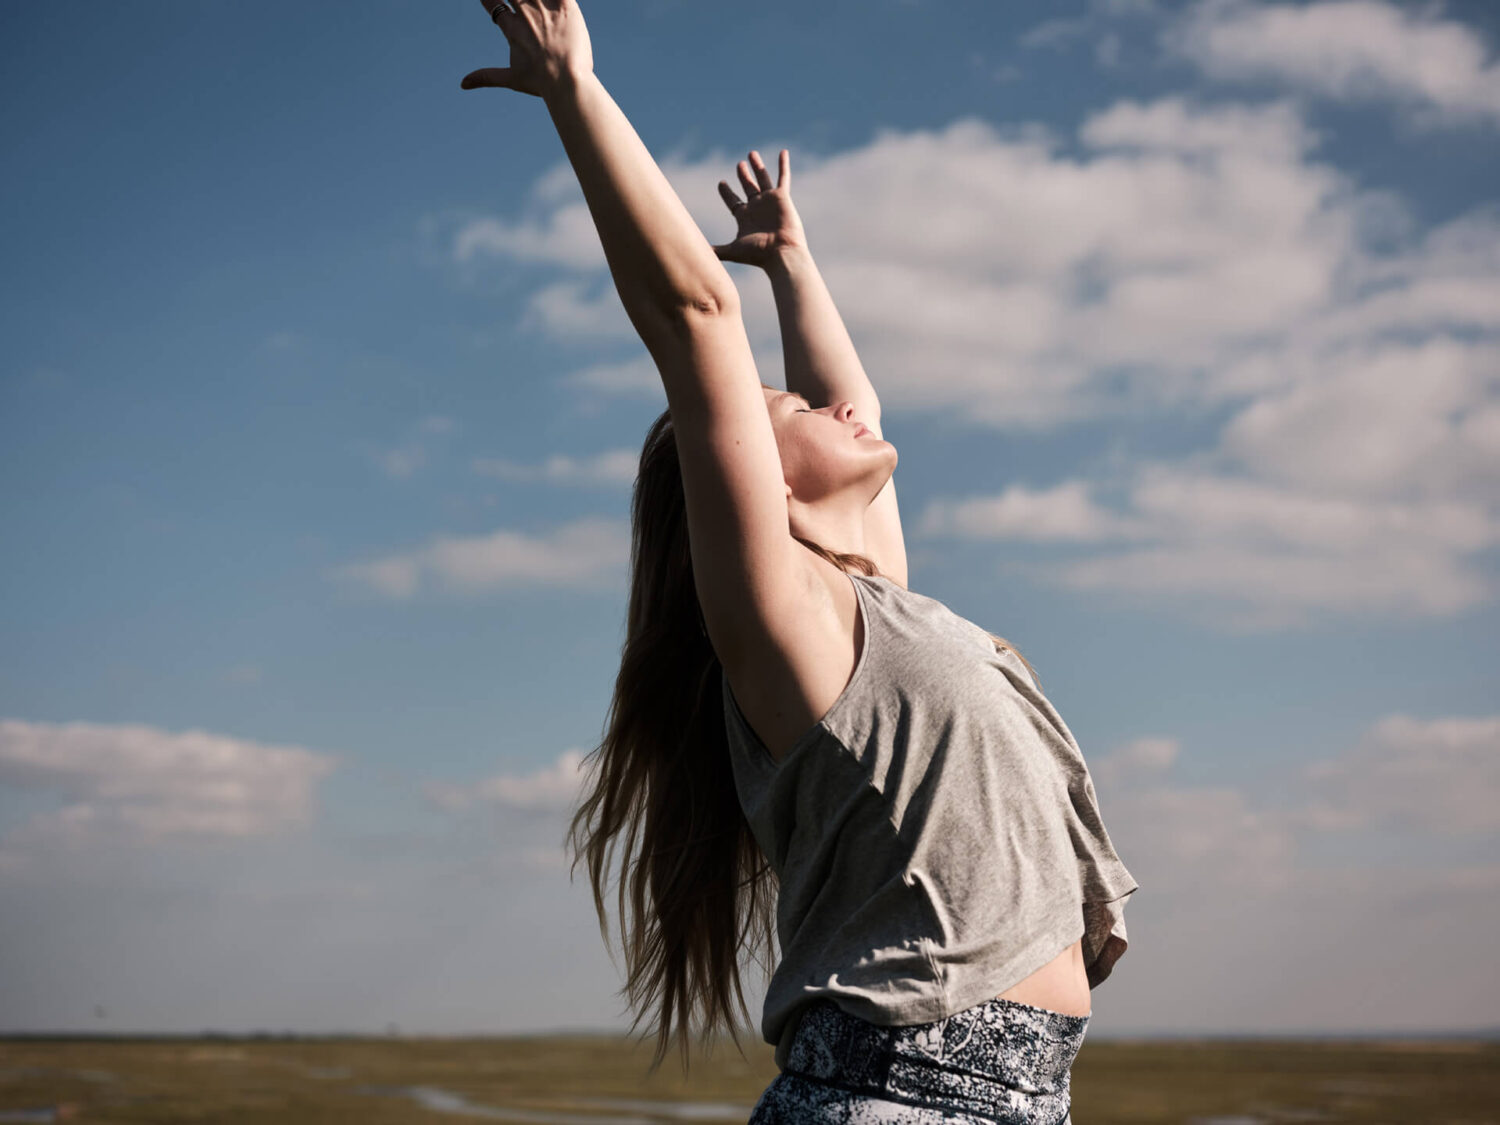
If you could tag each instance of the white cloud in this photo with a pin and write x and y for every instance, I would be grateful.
(1169, 836)
(1059, 33)
(1263, 590)
(129, 782)
(1051, 33)
(1194, 257)
(613, 466)
(1439, 775)
(1250, 556)
(1016, 286)
(1360, 477)
(566, 237)
(1223, 512)
(1386, 420)
(553, 788)
(1168, 833)
(1065, 512)
(1269, 135)
(403, 461)
(1243, 553)
(1126, 7)
(587, 553)
(563, 311)
(1351, 50)
(1435, 777)
(1138, 757)
(636, 377)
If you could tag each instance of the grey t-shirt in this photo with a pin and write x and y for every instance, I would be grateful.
(935, 834)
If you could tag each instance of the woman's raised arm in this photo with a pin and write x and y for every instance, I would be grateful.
(819, 356)
(820, 360)
(752, 578)
(660, 260)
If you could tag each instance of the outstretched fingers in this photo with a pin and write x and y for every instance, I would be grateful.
(727, 194)
(747, 180)
(762, 177)
(755, 179)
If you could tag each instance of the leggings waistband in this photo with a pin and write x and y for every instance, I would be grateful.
(1001, 1059)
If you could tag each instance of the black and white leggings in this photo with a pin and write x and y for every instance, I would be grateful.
(999, 1061)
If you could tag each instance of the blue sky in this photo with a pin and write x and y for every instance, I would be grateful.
(318, 417)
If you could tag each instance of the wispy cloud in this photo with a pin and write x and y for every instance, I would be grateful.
(587, 553)
(1053, 32)
(1098, 22)
(636, 377)
(526, 812)
(1135, 759)
(551, 789)
(402, 461)
(611, 467)
(1436, 775)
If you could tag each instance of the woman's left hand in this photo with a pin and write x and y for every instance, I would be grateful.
(768, 223)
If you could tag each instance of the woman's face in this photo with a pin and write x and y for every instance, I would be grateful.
(826, 450)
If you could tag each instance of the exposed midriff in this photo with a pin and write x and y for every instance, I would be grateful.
(1061, 985)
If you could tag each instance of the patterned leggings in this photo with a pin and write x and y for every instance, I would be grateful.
(997, 1062)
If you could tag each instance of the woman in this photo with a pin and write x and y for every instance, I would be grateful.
(800, 750)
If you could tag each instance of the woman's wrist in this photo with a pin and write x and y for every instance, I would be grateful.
(566, 84)
(788, 256)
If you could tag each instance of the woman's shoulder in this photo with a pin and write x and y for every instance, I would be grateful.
(788, 681)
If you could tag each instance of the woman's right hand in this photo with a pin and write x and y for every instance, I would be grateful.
(548, 42)
(767, 220)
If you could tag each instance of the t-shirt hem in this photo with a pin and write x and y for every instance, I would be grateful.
(952, 1000)
(987, 986)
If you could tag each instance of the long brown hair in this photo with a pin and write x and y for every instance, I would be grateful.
(695, 890)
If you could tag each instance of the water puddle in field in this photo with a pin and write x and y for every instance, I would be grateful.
(641, 1112)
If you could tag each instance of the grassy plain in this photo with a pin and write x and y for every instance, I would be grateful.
(601, 1080)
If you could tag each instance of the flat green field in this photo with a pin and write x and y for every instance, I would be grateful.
(587, 1080)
